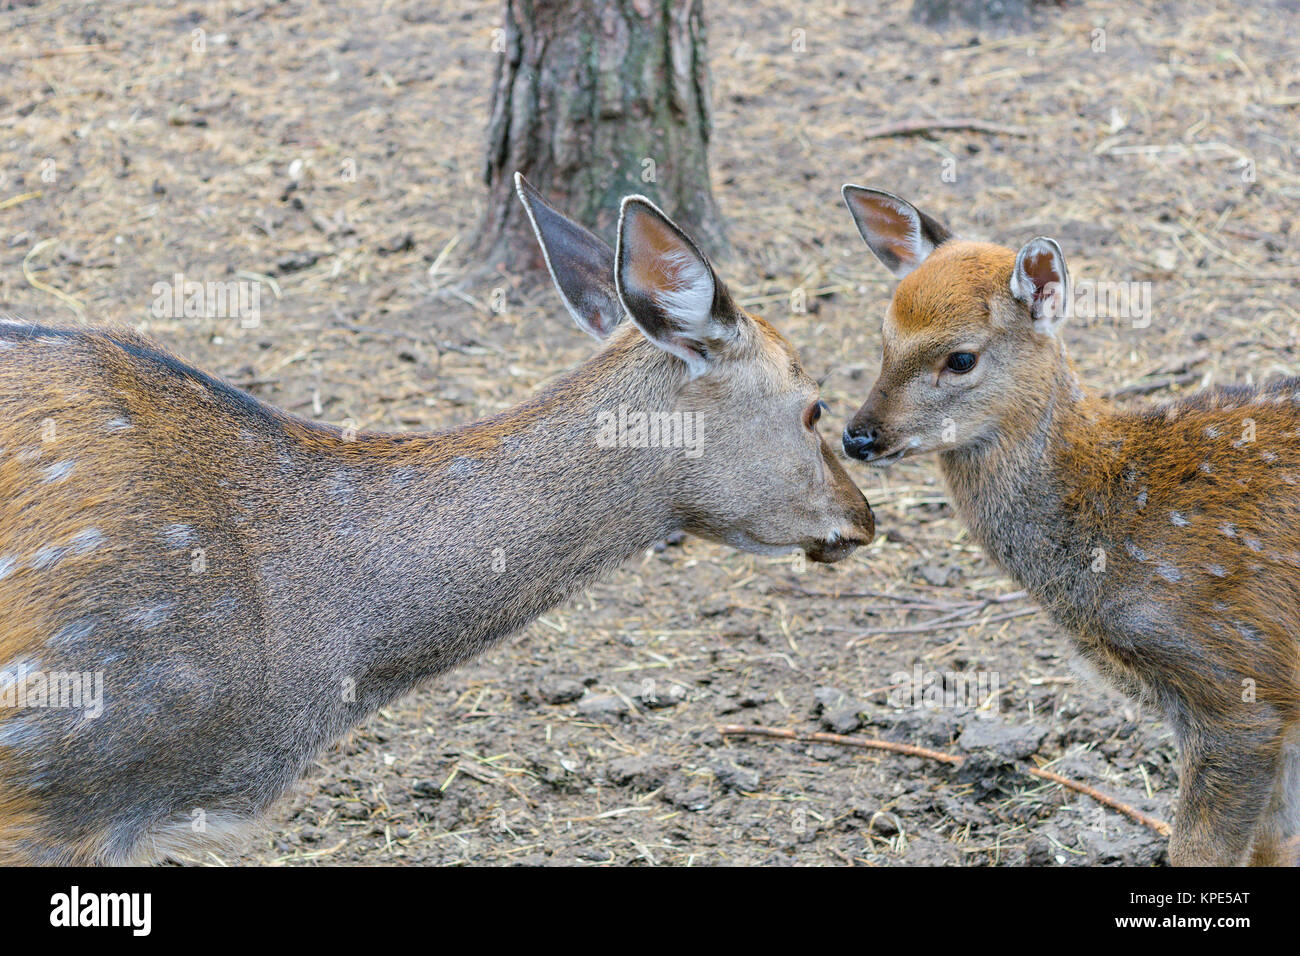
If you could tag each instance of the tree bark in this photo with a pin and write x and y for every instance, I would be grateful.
(594, 100)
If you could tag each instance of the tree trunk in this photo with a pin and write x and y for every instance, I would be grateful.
(593, 100)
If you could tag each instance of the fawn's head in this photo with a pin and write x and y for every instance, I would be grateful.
(760, 477)
(970, 337)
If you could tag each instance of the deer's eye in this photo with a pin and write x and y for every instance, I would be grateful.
(962, 362)
(813, 413)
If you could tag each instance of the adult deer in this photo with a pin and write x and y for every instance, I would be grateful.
(248, 585)
(1165, 540)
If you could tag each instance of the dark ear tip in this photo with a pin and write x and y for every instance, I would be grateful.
(638, 203)
(851, 189)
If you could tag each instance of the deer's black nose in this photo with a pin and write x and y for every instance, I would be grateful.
(860, 443)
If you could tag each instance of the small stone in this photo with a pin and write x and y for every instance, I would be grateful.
(1038, 851)
(427, 790)
(1006, 741)
(731, 776)
(296, 262)
(830, 698)
(642, 773)
(844, 720)
(938, 575)
(655, 695)
(695, 799)
(840, 713)
(602, 705)
(560, 690)
(353, 810)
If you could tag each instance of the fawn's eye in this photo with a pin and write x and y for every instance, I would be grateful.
(813, 413)
(962, 362)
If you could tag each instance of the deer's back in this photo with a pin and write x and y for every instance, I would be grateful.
(1195, 506)
(121, 556)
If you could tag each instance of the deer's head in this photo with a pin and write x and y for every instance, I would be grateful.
(970, 338)
(760, 478)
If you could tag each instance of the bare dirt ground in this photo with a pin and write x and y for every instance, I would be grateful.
(334, 149)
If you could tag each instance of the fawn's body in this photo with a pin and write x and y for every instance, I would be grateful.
(1165, 541)
(251, 585)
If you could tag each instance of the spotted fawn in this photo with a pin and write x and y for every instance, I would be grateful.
(1165, 541)
(248, 585)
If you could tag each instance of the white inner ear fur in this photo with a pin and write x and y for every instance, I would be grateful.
(915, 248)
(687, 296)
(1049, 307)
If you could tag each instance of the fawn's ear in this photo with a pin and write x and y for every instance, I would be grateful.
(1041, 281)
(581, 264)
(668, 287)
(898, 233)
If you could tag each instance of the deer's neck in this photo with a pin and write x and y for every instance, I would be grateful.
(1023, 492)
(405, 555)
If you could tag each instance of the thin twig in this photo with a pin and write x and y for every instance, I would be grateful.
(912, 127)
(872, 743)
(71, 301)
(955, 760)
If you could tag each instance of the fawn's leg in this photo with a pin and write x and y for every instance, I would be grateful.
(1227, 781)
(1277, 842)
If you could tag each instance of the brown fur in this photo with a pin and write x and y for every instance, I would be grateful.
(331, 560)
(1165, 541)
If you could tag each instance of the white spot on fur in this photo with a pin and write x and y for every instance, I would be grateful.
(177, 536)
(78, 630)
(16, 672)
(1211, 432)
(47, 557)
(7, 564)
(1178, 519)
(87, 540)
(341, 486)
(148, 618)
(20, 733)
(117, 425)
(59, 470)
(1168, 572)
(462, 467)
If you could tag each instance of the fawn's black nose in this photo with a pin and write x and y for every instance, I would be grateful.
(860, 444)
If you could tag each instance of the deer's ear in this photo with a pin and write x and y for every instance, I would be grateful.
(1041, 281)
(581, 264)
(668, 287)
(898, 233)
